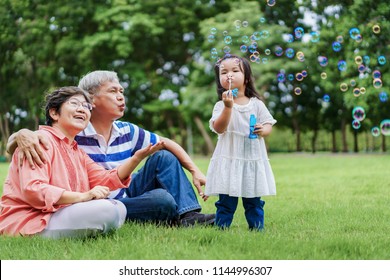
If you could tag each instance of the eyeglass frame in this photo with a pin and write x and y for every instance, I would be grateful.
(86, 105)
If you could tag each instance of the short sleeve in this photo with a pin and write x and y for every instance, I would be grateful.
(264, 115)
(218, 107)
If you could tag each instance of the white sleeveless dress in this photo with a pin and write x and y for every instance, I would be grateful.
(240, 166)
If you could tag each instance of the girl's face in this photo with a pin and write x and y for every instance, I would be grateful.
(73, 116)
(230, 71)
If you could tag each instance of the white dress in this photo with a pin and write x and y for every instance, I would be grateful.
(240, 166)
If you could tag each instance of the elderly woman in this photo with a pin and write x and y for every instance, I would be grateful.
(67, 197)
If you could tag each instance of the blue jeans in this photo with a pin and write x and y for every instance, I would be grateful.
(160, 190)
(227, 205)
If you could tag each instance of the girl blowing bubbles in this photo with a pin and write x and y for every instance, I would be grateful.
(239, 166)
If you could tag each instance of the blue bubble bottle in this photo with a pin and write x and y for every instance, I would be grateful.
(252, 123)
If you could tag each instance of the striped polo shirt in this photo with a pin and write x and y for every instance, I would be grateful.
(126, 138)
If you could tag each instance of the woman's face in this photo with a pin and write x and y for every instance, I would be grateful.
(230, 74)
(74, 116)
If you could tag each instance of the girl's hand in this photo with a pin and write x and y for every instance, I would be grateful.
(227, 98)
(263, 130)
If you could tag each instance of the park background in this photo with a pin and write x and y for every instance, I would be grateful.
(321, 66)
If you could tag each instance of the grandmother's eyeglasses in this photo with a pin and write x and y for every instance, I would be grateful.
(76, 104)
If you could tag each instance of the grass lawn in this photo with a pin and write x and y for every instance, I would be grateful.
(328, 207)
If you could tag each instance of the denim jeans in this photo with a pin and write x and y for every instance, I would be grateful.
(227, 205)
(160, 190)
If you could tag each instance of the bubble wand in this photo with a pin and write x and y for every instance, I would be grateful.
(235, 90)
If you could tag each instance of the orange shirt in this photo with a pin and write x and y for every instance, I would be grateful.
(30, 196)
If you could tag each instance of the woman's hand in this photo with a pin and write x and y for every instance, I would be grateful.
(98, 192)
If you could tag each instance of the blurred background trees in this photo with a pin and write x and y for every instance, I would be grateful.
(315, 62)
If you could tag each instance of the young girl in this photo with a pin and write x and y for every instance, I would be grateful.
(239, 166)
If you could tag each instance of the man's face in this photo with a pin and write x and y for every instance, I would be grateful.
(109, 101)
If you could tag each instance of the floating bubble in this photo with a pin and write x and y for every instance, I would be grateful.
(342, 65)
(343, 87)
(382, 60)
(361, 68)
(264, 60)
(267, 51)
(314, 37)
(377, 83)
(299, 77)
(252, 48)
(271, 3)
(289, 38)
(245, 23)
(356, 92)
(290, 53)
(281, 77)
(358, 59)
(304, 73)
(299, 32)
(225, 33)
(278, 51)
(323, 60)
(255, 36)
(359, 38)
(226, 49)
(356, 124)
(366, 59)
(297, 91)
(336, 46)
(243, 48)
(352, 82)
(245, 39)
(213, 30)
(383, 97)
(376, 74)
(354, 32)
(228, 40)
(358, 113)
(362, 90)
(324, 75)
(376, 29)
(385, 127)
(326, 98)
(375, 131)
(340, 39)
(262, 19)
(290, 77)
(301, 56)
(264, 34)
(211, 38)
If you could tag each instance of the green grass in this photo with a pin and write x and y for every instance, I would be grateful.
(328, 207)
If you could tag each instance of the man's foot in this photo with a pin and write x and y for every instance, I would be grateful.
(195, 218)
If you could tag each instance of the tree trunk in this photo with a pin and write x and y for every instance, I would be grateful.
(206, 137)
(334, 143)
(314, 141)
(355, 141)
(384, 143)
(344, 136)
(5, 133)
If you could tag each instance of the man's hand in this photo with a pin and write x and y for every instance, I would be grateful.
(199, 180)
(29, 143)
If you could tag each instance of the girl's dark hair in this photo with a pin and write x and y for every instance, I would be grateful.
(245, 67)
(55, 99)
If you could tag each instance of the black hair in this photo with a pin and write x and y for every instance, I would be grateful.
(55, 99)
(250, 90)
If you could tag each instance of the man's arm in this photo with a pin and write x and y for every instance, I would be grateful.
(199, 179)
(29, 143)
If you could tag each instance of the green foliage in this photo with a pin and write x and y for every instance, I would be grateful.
(332, 210)
(165, 45)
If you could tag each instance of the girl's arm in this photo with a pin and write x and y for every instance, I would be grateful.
(221, 123)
